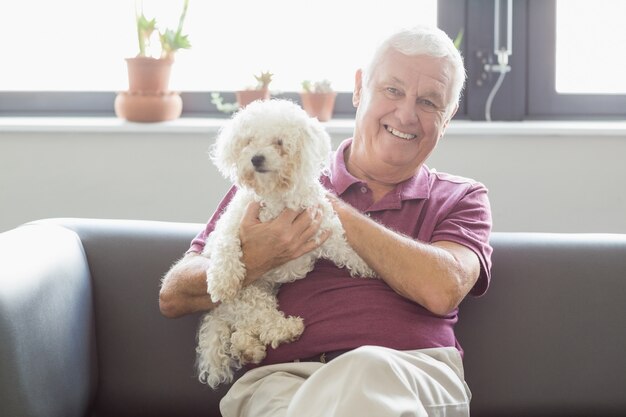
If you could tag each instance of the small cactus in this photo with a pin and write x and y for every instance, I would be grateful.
(263, 80)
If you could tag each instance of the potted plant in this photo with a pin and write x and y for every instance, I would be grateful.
(148, 98)
(318, 99)
(259, 92)
(246, 96)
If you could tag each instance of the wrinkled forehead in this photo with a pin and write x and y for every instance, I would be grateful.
(435, 74)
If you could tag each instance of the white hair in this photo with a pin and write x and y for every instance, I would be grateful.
(422, 40)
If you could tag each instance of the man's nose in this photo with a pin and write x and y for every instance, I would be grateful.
(407, 111)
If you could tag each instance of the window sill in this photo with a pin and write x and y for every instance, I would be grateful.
(335, 127)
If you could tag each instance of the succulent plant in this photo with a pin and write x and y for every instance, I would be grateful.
(171, 41)
(322, 86)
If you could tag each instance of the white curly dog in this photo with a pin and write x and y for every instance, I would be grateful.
(274, 153)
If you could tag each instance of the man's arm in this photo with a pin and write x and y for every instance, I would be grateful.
(264, 246)
(437, 276)
(184, 290)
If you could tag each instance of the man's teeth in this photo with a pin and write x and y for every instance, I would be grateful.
(399, 134)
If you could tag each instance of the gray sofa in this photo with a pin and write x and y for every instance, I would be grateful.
(81, 333)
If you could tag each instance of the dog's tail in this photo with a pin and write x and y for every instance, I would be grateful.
(213, 360)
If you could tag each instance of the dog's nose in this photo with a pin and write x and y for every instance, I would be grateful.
(257, 160)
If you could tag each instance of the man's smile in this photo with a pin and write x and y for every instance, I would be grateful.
(401, 135)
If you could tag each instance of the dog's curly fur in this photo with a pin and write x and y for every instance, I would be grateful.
(275, 153)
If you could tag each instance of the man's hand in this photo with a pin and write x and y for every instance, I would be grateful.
(268, 245)
(264, 245)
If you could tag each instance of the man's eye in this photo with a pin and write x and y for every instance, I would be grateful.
(393, 91)
(428, 105)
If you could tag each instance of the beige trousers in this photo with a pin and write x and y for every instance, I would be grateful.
(368, 381)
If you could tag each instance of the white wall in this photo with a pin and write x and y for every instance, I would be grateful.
(559, 179)
(545, 183)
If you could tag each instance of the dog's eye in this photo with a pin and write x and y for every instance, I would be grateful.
(278, 142)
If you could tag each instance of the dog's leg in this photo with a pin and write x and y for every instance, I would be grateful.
(337, 249)
(274, 328)
(355, 264)
(247, 310)
(226, 271)
(259, 323)
(282, 330)
(214, 362)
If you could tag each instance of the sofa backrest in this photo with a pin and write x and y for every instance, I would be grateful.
(548, 337)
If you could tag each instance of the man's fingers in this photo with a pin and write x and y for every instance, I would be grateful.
(251, 214)
(292, 232)
(312, 244)
(310, 225)
(288, 216)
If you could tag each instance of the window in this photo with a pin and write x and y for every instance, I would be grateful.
(71, 46)
(564, 62)
(586, 60)
(573, 68)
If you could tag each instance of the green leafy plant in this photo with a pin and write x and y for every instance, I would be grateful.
(218, 101)
(170, 40)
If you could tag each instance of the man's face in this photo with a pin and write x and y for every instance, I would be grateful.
(402, 111)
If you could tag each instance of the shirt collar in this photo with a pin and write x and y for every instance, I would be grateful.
(416, 187)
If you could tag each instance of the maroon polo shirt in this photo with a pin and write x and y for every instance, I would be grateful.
(341, 312)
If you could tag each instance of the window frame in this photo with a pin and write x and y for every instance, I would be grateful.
(527, 93)
(543, 99)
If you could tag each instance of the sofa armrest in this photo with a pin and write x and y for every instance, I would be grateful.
(47, 342)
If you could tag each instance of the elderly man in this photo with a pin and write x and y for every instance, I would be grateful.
(371, 347)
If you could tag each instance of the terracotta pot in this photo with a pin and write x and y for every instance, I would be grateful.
(320, 105)
(148, 107)
(245, 97)
(148, 74)
(148, 98)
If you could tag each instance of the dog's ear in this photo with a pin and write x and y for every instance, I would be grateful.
(223, 153)
(321, 140)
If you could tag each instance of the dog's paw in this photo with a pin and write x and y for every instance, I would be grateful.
(361, 269)
(245, 348)
(284, 331)
(216, 377)
(357, 266)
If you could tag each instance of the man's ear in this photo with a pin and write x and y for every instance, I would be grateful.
(452, 113)
(358, 87)
(456, 108)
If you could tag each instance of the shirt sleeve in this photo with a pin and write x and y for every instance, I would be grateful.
(469, 223)
(198, 242)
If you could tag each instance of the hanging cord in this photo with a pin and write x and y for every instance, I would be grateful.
(493, 92)
(501, 51)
